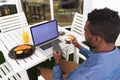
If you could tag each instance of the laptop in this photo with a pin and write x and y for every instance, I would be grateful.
(44, 34)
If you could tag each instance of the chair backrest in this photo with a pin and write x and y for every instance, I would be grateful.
(7, 73)
(78, 23)
(11, 22)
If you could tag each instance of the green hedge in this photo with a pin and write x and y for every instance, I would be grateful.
(2, 59)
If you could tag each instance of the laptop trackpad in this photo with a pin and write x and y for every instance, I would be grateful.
(48, 45)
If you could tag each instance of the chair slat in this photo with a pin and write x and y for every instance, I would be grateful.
(11, 22)
(7, 73)
(4, 69)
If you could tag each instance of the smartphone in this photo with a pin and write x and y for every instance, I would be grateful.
(56, 46)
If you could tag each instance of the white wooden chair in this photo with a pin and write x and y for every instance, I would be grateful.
(8, 24)
(78, 55)
(11, 22)
(77, 27)
(78, 24)
(7, 73)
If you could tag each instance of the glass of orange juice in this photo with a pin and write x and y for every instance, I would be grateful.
(25, 36)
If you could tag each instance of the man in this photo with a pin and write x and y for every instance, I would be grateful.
(101, 31)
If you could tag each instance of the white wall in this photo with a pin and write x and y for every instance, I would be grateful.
(115, 5)
(89, 5)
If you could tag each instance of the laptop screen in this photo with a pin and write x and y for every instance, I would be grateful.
(44, 32)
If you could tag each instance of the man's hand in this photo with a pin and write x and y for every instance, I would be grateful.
(57, 56)
(75, 42)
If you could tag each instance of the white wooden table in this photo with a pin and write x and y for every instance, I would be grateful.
(13, 38)
(78, 37)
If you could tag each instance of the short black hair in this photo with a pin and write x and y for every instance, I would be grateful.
(104, 23)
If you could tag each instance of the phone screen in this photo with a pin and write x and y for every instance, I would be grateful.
(56, 46)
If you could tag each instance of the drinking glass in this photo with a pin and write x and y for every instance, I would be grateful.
(25, 36)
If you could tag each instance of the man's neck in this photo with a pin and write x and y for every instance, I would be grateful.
(105, 48)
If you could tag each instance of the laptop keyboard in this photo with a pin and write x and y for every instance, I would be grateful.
(48, 45)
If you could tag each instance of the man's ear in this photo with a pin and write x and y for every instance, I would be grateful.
(97, 39)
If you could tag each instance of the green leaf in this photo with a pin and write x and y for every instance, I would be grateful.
(2, 59)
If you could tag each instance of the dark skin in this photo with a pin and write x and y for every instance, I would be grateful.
(57, 56)
(95, 41)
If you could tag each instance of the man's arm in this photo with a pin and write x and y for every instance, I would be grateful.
(57, 71)
(85, 52)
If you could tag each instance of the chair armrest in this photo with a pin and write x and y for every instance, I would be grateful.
(79, 55)
(84, 45)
